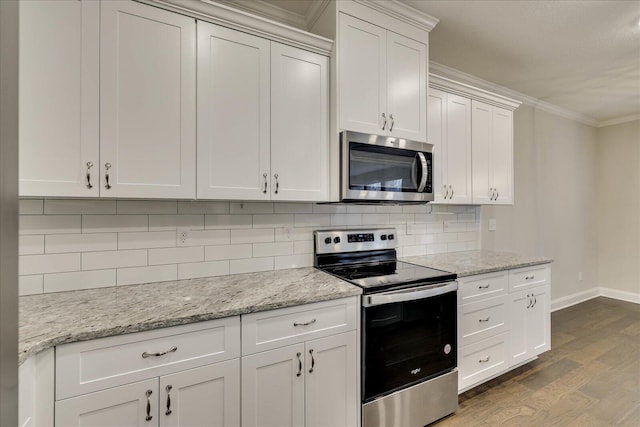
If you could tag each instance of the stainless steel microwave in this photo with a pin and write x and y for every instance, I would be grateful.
(382, 169)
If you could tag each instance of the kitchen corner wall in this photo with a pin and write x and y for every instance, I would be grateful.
(78, 244)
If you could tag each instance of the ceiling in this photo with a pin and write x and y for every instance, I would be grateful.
(579, 55)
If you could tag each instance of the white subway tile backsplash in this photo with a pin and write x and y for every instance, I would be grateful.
(272, 249)
(144, 240)
(114, 259)
(54, 263)
(136, 275)
(78, 206)
(50, 224)
(87, 242)
(293, 261)
(31, 244)
(203, 269)
(227, 221)
(214, 253)
(251, 207)
(61, 282)
(257, 235)
(199, 207)
(250, 265)
(73, 244)
(30, 207)
(176, 255)
(114, 223)
(273, 220)
(173, 222)
(147, 207)
(30, 285)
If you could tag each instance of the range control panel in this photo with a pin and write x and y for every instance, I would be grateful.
(337, 241)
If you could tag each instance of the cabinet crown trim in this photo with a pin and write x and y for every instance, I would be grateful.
(468, 91)
(218, 13)
(402, 12)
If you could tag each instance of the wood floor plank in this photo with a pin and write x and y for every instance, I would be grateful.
(590, 377)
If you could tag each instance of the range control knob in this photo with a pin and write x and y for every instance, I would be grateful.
(336, 240)
(390, 237)
(327, 240)
(383, 237)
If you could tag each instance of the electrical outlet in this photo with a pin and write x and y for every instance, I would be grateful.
(182, 236)
(492, 224)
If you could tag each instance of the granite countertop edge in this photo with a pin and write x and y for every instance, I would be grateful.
(76, 327)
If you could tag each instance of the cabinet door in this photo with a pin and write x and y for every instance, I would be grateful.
(233, 114)
(502, 155)
(273, 388)
(59, 98)
(205, 397)
(437, 111)
(299, 124)
(459, 149)
(124, 406)
(518, 311)
(331, 381)
(363, 76)
(147, 101)
(538, 322)
(481, 130)
(406, 87)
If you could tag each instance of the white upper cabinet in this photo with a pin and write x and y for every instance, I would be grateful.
(492, 134)
(147, 102)
(59, 98)
(233, 114)
(383, 81)
(450, 133)
(263, 118)
(299, 124)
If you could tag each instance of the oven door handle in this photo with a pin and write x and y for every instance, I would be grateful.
(408, 294)
(423, 172)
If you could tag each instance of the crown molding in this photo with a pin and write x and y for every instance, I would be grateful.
(402, 12)
(468, 91)
(619, 120)
(315, 11)
(468, 79)
(270, 11)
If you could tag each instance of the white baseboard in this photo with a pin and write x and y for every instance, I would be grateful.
(621, 295)
(577, 298)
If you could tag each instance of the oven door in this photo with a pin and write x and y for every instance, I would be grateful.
(408, 337)
(385, 169)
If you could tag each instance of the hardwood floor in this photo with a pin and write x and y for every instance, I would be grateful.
(590, 377)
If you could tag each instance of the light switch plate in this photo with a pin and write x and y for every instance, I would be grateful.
(492, 224)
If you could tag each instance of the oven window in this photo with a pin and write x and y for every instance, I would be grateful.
(407, 342)
(376, 168)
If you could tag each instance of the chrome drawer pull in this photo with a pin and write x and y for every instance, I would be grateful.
(529, 277)
(485, 286)
(530, 301)
(89, 166)
(107, 166)
(162, 353)
(148, 394)
(298, 354)
(310, 322)
(313, 361)
(486, 319)
(485, 360)
(168, 389)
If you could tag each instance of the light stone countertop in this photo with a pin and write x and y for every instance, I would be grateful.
(470, 263)
(52, 319)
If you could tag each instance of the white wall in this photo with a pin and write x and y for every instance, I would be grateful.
(618, 203)
(555, 210)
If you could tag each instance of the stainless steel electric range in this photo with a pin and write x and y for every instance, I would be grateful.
(409, 375)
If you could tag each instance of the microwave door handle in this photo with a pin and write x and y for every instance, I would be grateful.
(424, 172)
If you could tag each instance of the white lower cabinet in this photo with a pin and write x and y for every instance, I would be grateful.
(503, 321)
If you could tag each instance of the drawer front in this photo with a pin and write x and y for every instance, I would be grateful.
(278, 328)
(98, 364)
(482, 360)
(483, 319)
(475, 288)
(527, 277)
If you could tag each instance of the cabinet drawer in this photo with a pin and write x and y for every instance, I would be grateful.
(482, 319)
(277, 328)
(98, 364)
(526, 277)
(482, 360)
(475, 288)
